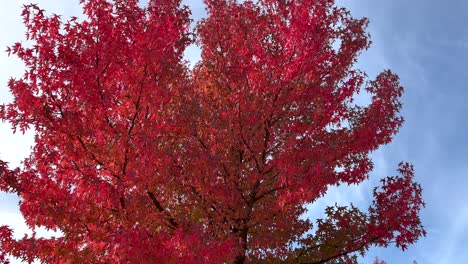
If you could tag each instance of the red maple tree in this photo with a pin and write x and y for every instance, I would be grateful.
(139, 159)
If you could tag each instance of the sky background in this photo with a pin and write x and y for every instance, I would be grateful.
(426, 43)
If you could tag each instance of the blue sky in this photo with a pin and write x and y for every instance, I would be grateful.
(426, 43)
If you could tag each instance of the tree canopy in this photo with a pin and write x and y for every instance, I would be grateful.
(139, 157)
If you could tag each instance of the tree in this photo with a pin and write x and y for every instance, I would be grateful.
(138, 158)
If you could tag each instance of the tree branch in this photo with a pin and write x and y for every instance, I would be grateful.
(172, 222)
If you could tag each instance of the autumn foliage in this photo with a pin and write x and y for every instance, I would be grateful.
(140, 159)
